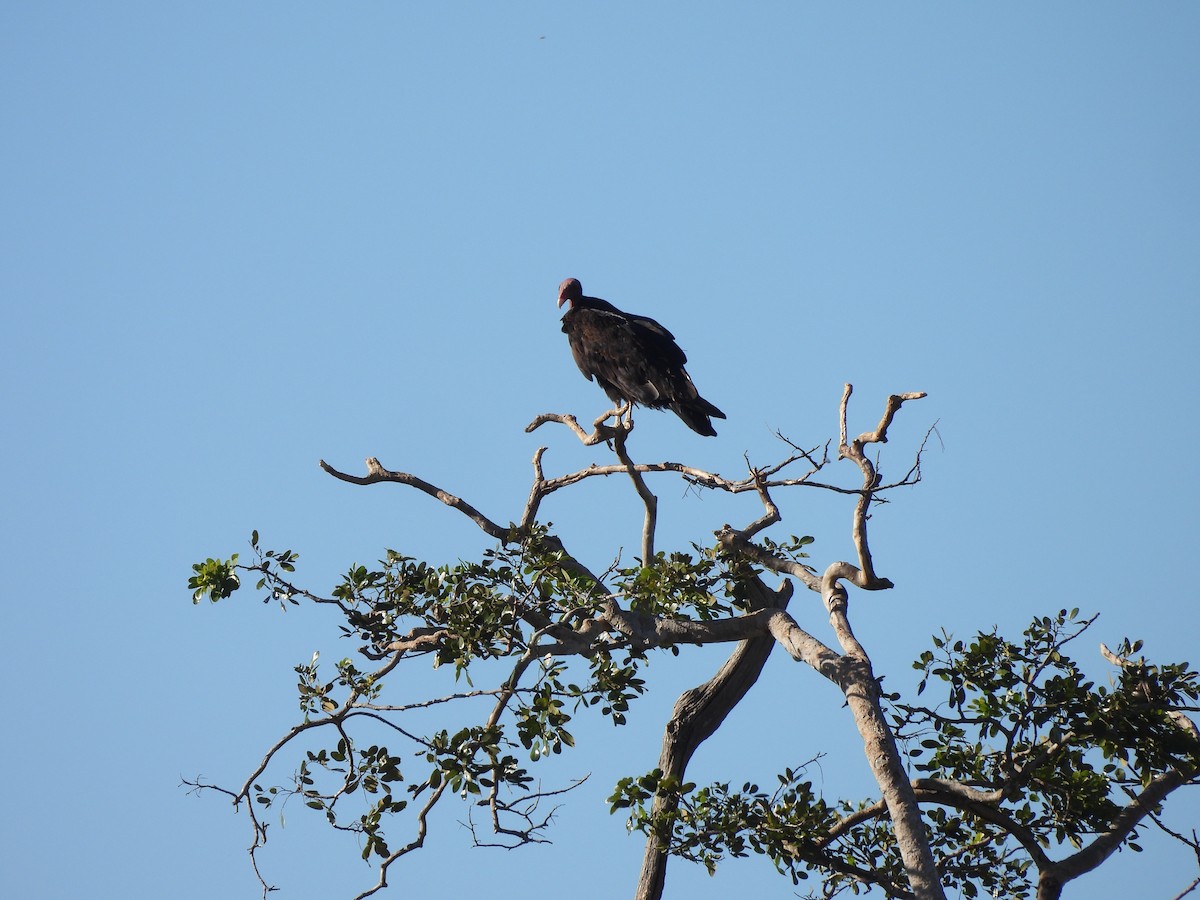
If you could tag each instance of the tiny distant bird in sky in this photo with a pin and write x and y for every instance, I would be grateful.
(633, 358)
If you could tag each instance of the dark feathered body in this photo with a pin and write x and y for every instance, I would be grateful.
(633, 358)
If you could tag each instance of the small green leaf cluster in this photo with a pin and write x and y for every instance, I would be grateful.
(789, 549)
(473, 760)
(273, 565)
(215, 578)
(675, 585)
(376, 773)
(373, 772)
(789, 825)
(315, 696)
(614, 684)
(976, 860)
(541, 723)
(219, 579)
(1132, 724)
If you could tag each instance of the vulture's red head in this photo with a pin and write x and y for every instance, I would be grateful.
(569, 291)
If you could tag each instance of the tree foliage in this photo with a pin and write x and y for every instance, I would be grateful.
(1008, 774)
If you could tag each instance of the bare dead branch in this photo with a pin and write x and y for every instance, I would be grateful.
(600, 431)
(863, 575)
(853, 450)
(523, 809)
(1191, 887)
(536, 491)
(801, 453)
(771, 514)
(757, 481)
(828, 585)
(259, 829)
(648, 499)
(1193, 842)
(376, 474)
(690, 474)
(879, 435)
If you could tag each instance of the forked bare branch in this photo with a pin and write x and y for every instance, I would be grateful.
(600, 431)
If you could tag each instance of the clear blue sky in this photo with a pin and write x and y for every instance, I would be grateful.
(238, 238)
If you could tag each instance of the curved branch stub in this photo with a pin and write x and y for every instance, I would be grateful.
(879, 435)
(649, 500)
(536, 491)
(600, 431)
(377, 474)
(853, 450)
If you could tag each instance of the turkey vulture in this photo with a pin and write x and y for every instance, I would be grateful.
(633, 358)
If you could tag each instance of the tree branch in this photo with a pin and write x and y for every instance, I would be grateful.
(416, 843)
(698, 713)
(1107, 842)
(648, 499)
(853, 450)
(376, 474)
(599, 622)
(600, 431)
(1180, 720)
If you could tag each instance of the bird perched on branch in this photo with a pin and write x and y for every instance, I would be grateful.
(633, 358)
